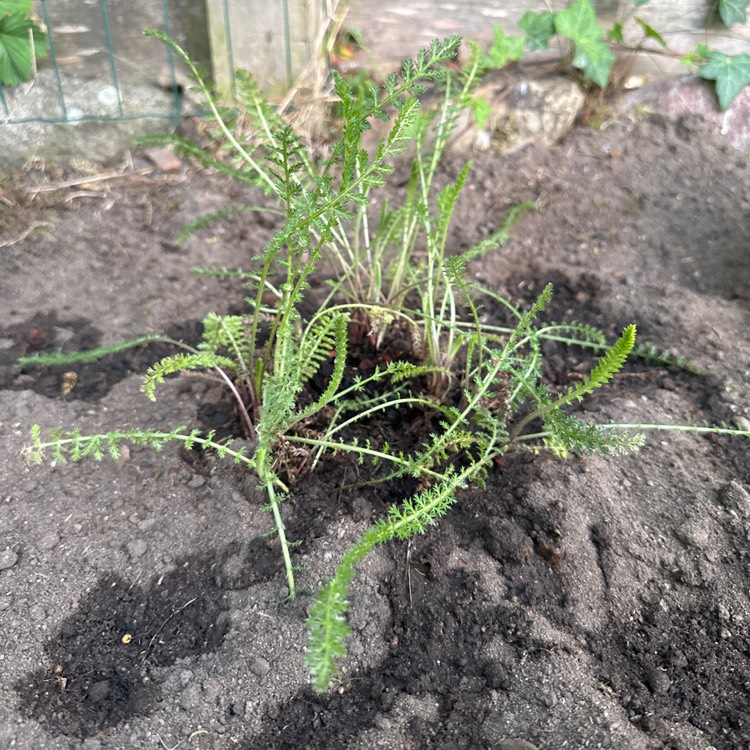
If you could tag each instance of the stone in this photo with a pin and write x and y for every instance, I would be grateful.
(259, 666)
(99, 690)
(137, 548)
(65, 142)
(164, 159)
(514, 744)
(733, 496)
(659, 681)
(689, 96)
(8, 558)
(49, 541)
(196, 482)
(525, 112)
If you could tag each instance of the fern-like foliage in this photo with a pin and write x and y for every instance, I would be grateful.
(501, 235)
(328, 336)
(90, 355)
(72, 446)
(327, 625)
(568, 433)
(179, 362)
(606, 368)
(321, 340)
(654, 355)
(229, 333)
(574, 334)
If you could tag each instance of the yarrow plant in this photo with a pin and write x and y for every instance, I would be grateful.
(392, 279)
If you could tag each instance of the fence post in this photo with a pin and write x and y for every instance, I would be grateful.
(274, 40)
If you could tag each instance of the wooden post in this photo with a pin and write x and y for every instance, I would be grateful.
(274, 40)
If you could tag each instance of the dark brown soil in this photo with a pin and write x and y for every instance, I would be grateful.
(583, 603)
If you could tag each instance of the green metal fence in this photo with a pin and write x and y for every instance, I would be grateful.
(97, 67)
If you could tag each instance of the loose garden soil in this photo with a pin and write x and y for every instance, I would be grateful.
(577, 603)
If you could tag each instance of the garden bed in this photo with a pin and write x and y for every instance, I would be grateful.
(586, 602)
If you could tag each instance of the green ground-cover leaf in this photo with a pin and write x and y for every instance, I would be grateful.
(650, 33)
(11, 7)
(595, 59)
(538, 27)
(733, 11)
(504, 49)
(579, 24)
(615, 34)
(731, 73)
(16, 57)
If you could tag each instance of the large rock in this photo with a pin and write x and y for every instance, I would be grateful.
(523, 112)
(689, 96)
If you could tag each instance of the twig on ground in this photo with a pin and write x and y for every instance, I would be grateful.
(183, 740)
(161, 627)
(78, 181)
(26, 232)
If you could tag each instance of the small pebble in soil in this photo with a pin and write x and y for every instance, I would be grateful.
(191, 698)
(259, 666)
(137, 548)
(659, 681)
(5, 602)
(734, 496)
(514, 744)
(49, 541)
(146, 524)
(37, 613)
(197, 482)
(8, 558)
(99, 690)
(548, 699)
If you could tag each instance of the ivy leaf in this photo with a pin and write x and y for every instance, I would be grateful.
(11, 7)
(539, 28)
(579, 24)
(615, 34)
(503, 50)
(697, 57)
(16, 63)
(731, 73)
(595, 60)
(650, 33)
(733, 11)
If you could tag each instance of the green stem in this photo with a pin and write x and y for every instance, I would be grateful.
(214, 109)
(280, 530)
(334, 447)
